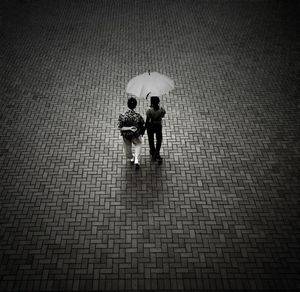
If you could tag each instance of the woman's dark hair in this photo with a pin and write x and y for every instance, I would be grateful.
(131, 103)
(155, 102)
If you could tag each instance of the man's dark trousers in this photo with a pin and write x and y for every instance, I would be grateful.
(154, 129)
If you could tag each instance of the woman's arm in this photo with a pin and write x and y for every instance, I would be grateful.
(121, 126)
(132, 128)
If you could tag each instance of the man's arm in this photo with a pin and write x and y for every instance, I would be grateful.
(163, 112)
(147, 118)
(142, 126)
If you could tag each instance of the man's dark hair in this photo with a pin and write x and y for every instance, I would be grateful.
(131, 103)
(154, 102)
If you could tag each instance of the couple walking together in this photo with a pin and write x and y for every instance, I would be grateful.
(132, 127)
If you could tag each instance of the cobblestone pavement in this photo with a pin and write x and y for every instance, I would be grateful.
(221, 212)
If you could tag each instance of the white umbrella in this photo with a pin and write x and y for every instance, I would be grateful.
(151, 83)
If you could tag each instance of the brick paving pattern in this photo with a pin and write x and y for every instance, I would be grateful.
(221, 212)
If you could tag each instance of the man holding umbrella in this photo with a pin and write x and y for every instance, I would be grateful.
(132, 128)
(151, 84)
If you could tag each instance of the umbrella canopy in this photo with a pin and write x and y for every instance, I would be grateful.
(151, 83)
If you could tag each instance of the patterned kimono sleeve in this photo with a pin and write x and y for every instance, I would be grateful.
(121, 121)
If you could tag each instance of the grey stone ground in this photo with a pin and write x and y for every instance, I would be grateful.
(221, 213)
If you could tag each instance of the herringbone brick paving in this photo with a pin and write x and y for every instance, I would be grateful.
(221, 212)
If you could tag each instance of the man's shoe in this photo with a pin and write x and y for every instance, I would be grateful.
(158, 158)
(137, 166)
(152, 153)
